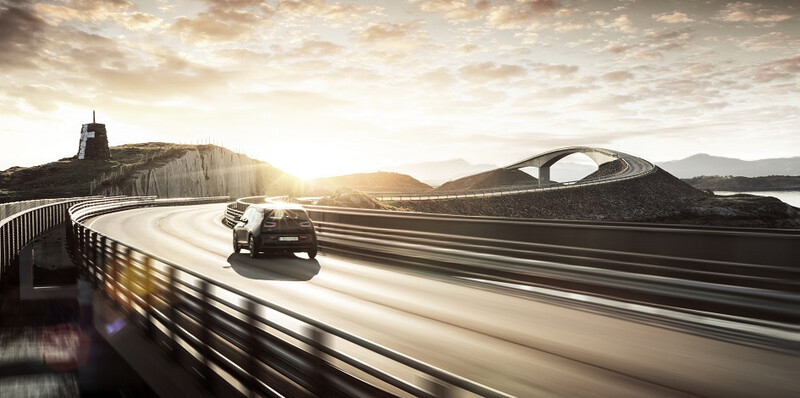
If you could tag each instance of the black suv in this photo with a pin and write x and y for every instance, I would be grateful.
(283, 227)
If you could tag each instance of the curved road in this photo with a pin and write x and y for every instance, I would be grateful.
(518, 345)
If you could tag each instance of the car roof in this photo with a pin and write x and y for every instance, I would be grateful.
(276, 205)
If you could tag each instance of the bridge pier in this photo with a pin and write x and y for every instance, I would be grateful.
(544, 175)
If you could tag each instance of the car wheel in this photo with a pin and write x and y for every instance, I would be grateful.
(236, 247)
(312, 252)
(251, 245)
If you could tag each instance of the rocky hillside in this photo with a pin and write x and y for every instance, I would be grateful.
(657, 197)
(161, 169)
(370, 182)
(345, 197)
(607, 169)
(728, 183)
(490, 179)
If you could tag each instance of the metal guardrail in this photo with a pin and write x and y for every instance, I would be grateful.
(11, 208)
(29, 220)
(752, 273)
(235, 340)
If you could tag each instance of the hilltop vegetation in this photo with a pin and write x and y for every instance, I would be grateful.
(738, 184)
(159, 169)
(72, 177)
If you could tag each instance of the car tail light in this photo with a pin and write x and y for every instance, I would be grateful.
(270, 224)
(305, 224)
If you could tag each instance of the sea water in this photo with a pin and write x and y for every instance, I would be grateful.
(790, 197)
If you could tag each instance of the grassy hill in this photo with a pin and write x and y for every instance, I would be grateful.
(73, 177)
(153, 168)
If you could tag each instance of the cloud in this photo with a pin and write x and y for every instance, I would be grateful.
(470, 48)
(622, 23)
(321, 9)
(318, 48)
(440, 5)
(296, 100)
(769, 41)
(617, 76)
(138, 21)
(467, 14)
(540, 6)
(748, 12)
(22, 34)
(222, 22)
(394, 36)
(673, 17)
(523, 11)
(651, 47)
(440, 78)
(781, 69)
(559, 70)
(83, 10)
(489, 71)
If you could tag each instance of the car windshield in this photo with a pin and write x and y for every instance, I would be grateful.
(284, 214)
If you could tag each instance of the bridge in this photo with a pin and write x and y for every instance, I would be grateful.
(408, 304)
(632, 167)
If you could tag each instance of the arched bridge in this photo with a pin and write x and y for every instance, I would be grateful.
(544, 160)
(632, 167)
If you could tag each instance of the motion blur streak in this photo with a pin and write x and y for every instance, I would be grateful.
(518, 345)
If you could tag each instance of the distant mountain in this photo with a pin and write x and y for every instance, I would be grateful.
(369, 182)
(707, 165)
(439, 172)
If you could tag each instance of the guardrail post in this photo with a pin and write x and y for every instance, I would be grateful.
(319, 377)
(172, 302)
(103, 261)
(126, 293)
(148, 297)
(205, 334)
(85, 249)
(94, 256)
(112, 273)
(251, 343)
(437, 389)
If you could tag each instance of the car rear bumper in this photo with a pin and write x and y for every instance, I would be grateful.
(267, 244)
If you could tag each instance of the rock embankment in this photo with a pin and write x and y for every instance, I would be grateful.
(207, 171)
(346, 197)
(657, 197)
(498, 178)
(606, 169)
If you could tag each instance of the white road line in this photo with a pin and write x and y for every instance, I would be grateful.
(95, 219)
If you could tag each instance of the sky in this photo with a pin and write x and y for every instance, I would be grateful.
(321, 88)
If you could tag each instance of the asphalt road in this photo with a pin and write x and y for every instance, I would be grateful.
(518, 345)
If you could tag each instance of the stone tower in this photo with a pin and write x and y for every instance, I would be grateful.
(94, 141)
